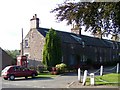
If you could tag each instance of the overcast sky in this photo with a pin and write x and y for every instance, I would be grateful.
(16, 14)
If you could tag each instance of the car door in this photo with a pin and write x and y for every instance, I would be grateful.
(18, 72)
(26, 72)
(22, 72)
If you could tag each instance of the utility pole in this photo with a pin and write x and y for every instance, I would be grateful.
(22, 44)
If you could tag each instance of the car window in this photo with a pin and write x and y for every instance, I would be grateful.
(16, 68)
(21, 69)
(25, 69)
(6, 69)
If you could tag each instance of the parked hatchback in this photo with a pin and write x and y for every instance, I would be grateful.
(11, 72)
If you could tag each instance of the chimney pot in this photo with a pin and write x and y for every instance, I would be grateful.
(35, 15)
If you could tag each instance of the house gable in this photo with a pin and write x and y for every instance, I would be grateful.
(35, 44)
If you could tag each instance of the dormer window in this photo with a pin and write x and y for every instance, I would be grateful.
(46, 31)
(77, 38)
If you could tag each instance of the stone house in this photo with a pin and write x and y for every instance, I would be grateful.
(77, 49)
(5, 59)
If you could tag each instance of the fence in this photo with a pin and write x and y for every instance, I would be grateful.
(100, 72)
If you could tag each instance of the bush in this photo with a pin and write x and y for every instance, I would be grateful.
(54, 71)
(61, 67)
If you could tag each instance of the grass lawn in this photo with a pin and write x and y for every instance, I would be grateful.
(46, 75)
(108, 79)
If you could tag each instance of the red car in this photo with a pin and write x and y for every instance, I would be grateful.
(11, 72)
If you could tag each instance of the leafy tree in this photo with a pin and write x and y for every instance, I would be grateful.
(97, 17)
(13, 54)
(52, 49)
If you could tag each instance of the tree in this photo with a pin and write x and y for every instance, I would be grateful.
(52, 49)
(13, 54)
(103, 17)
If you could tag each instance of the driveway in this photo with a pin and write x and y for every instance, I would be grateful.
(60, 81)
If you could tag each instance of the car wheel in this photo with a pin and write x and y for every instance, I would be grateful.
(33, 75)
(5, 78)
(11, 77)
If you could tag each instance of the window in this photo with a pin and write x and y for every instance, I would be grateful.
(117, 45)
(79, 40)
(27, 54)
(83, 43)
(62, 59)
(72, 59)
(83, 58)
(113, 57)
(17, 68)
(113, 45)
(95, 50)
(46, 31)
(26, 43)
(100, 59)
(76, 38)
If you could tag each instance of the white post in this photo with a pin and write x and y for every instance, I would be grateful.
(1, 83)
(101, 70)
(84, 77)
(92, 79)
(79, 75)
(117, 68)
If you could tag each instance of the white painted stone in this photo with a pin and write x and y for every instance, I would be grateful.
(117, 68)
(84, 77)
(79, 75)
(92, 79)
(101, 70)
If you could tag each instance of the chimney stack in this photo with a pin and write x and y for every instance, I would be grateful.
(34, 22)
(76, 29)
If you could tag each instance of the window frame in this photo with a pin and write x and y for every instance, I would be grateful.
(26, 43)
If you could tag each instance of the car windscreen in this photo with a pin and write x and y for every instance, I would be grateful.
(6, 69)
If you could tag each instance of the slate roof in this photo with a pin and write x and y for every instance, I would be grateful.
(74, 38)
(65, 36)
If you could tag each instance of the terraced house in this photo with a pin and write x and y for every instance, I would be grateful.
(77, 50)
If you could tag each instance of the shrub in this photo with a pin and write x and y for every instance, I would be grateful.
(52, 50)
(61, 67)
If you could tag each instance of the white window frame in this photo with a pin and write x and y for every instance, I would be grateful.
(26, 46)
(27, 54)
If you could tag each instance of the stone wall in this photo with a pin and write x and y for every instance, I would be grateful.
(35, 46)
